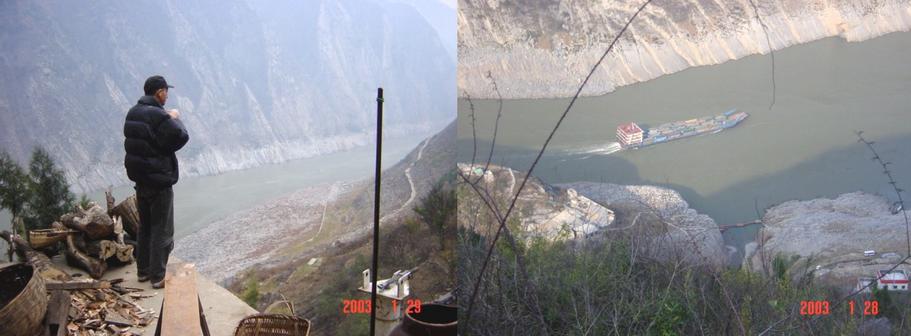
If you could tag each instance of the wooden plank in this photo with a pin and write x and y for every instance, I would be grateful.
(58, 309)
(77, 285)
(180, 312)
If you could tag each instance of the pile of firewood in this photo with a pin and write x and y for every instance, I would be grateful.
(94, 237)
(107, 311)
(84, 307)
(99, 240)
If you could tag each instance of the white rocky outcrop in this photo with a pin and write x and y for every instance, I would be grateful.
(587, 210)
(682, 231)
(542, 211)
(832, 234)
(576, 217)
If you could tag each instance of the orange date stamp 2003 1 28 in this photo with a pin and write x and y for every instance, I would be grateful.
(822, 308)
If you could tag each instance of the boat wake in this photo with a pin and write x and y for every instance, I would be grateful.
(606, 149)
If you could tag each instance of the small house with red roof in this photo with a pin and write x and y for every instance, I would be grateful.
(895, 280)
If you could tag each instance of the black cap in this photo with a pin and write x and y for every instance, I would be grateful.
(154, 83)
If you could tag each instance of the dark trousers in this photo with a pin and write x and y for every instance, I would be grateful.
(156, 230)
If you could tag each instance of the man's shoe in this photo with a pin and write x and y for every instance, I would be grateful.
(143, 278)
(158, 285)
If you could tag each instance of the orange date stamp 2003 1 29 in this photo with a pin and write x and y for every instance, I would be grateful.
(362, 306)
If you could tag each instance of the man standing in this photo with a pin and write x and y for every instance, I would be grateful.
(153, 135)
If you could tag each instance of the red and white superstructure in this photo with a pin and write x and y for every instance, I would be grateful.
(630, 135)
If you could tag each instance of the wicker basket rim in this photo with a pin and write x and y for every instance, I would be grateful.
(251, 321)
(24, 314)
(279, 316)
(33, 281)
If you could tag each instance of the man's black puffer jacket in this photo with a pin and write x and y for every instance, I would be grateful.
(152, 138)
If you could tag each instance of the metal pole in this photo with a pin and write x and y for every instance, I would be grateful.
(376, 208)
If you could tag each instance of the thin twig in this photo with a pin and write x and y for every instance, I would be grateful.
(888, 173)
(474, 135)
(541, 152)
(768, 41)
(496, 125)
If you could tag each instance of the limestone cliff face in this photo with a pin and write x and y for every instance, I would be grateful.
(257, 82)
(544, 48)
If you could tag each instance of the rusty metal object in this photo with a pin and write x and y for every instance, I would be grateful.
(430, 320)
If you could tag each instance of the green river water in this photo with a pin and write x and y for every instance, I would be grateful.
(804, 147)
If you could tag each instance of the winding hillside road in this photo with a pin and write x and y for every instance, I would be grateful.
(333, 192)
(410, 182)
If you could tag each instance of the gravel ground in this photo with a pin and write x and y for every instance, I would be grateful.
(249, 237)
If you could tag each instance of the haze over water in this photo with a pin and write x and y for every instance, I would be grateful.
(803, 148)
(201, 200)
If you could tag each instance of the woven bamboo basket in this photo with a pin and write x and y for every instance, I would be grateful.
(23, 301)
(130, 214)
(47, 237)
(273, 325)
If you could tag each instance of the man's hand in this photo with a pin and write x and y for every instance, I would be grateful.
(174, 113)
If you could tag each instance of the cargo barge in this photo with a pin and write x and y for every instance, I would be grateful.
(632, 136)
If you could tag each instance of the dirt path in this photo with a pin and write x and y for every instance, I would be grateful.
(410, 182)
(333, 192)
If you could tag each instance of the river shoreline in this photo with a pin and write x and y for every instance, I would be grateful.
(252, 236)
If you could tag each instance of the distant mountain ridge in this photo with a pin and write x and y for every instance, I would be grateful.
(256, 82)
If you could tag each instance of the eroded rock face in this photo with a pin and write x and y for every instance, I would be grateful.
(541, 49)
(832, 234)
(658, 217)
(674, 227)
(542, 211)
(592, 215)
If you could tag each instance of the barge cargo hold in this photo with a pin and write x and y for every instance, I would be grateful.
(631, 135)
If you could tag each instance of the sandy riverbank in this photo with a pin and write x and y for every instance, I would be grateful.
(249, 237)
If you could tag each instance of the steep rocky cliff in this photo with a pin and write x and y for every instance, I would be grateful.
(829, 237)
(655, 216)
(542, 211)
(676, 228)
(257, 82)
(545, 48)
